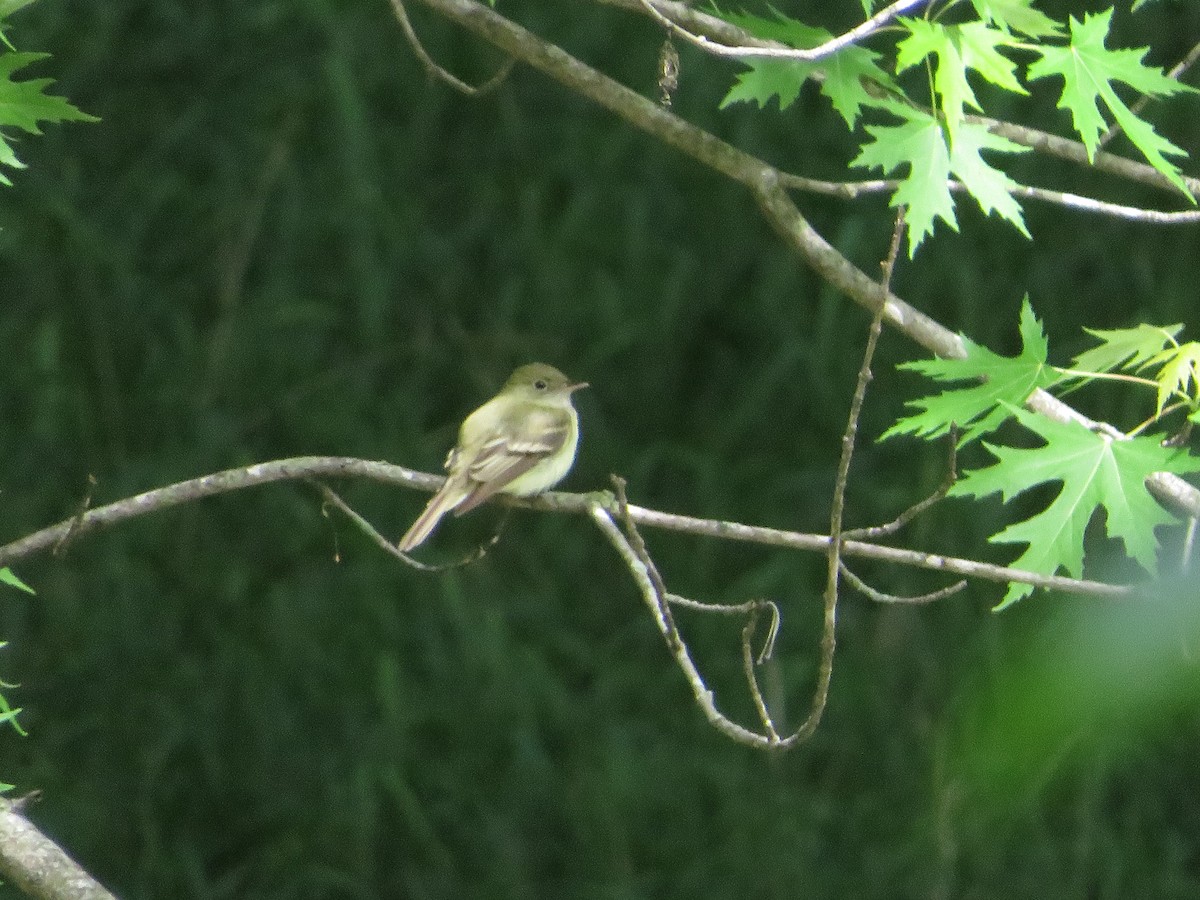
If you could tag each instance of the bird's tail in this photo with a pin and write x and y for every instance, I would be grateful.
(450, 496)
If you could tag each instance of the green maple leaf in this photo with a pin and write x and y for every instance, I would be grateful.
(8, 715)
(980, 407)
(23, 104)
(958, 48)
(1017, 15)
(9, 577)
(844, 75)
(7, 8)
(1146, 347)
(1088, 70)
(767, 79)
(847, 75)
(978, 44)
(1179, 370)
(778, 28)
(1096, 472)
(919, 144)
(990, 187)
(927, 39)
(1127, 348)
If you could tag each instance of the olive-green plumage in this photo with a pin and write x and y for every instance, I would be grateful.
(521, 442)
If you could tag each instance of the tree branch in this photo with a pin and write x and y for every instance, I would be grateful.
(757, 51)
(1076, 152)
(300, 467)
(308, 467)
(37, 865)
(698, 22)
(657, 604)
(852, 190)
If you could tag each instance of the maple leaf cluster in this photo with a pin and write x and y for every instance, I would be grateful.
(927, 139)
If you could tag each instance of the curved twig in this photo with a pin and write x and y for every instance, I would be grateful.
(881, 597)
(639, 547)
(749, 664)
(838, 501)
(738, 609)
(889, 528)
(656, 603)
(755, 51)
(440, 73)
(648, 573)
(333, 499)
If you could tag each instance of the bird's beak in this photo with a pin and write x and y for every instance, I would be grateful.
(572, 388)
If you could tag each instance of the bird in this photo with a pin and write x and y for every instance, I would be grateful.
(521, 442)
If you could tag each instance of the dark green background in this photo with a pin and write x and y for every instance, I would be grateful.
(283, 239)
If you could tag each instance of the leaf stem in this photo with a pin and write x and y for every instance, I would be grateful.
(1112, 376)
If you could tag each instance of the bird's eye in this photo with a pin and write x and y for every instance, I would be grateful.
(540, 385)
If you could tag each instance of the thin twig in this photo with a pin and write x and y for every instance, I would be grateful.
(838, 502)
(61, 545)
(740, 609)
(331, 497)
(768, 647)
(880, 597)
(666, 599)
(753, 51)
(639, 547)
(852, 190)
(663, 600)
(1080, 203)
(654, 599)
(748, 669)
(1076, 152)
(437, 71)
(641, 576)
(921, 506)
(724, 609)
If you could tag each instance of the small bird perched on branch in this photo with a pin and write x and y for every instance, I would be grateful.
(521, 442)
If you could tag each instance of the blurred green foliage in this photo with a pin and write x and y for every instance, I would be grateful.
(282, 239)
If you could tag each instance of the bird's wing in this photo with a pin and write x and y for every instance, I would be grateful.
(516, 448)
